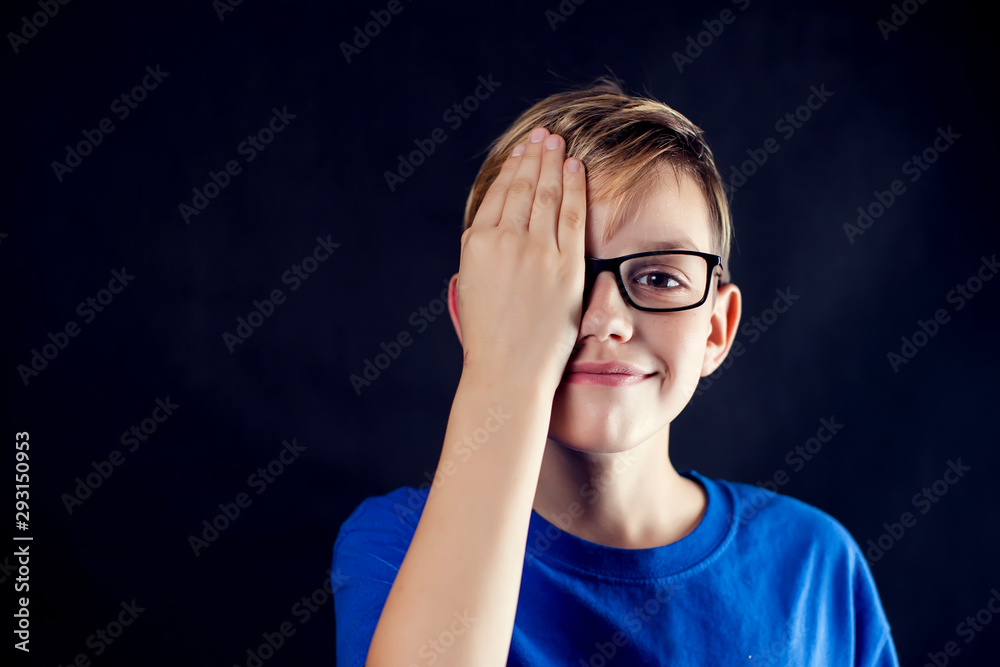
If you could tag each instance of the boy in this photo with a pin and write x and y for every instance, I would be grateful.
(556, 531)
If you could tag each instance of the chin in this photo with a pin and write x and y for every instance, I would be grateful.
(590, 443)
(602, 427)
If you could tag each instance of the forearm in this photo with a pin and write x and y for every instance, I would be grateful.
(466, 557)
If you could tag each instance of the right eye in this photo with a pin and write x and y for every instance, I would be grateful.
(660, 280)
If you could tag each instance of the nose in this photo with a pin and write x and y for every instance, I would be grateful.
(605, 312)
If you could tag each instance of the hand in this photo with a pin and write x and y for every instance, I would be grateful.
(521, 273)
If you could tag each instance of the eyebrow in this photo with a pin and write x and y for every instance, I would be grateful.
(679, 243)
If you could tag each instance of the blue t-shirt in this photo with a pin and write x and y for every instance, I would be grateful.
(763, 579)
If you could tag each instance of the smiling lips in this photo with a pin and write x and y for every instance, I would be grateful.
(614, 374)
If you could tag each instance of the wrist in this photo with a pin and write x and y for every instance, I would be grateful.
(523, 380)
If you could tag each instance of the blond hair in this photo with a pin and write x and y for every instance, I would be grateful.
(625, 141)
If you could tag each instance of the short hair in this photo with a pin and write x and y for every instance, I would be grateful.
(625, 141)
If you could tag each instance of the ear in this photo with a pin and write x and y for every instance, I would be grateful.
(453, 306)
(722, 327)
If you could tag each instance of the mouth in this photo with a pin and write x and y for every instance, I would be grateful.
(613, 372)
(606, 379)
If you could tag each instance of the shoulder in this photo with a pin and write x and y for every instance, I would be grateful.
(396, 512)
(380, 526)
(767, 514)
(404, 505)
(367, 555)
(806, 555)
(793, 539)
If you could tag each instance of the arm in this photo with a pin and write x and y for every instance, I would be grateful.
(519, 304)
(874, 644)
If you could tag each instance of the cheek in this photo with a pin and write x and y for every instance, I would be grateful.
(678, 341)
(679, 346)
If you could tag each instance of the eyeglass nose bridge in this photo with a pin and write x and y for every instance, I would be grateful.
(595, 267)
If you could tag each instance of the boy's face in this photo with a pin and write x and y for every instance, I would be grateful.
(677, 348)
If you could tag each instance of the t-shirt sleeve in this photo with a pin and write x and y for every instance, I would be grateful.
(853, 628)
(367, 554)
(874, 646)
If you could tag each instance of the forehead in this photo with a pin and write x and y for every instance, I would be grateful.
(672, 215)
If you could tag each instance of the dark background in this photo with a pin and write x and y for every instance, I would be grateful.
(323, 176)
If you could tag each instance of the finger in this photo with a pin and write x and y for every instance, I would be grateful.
(491, 207)
(548, 195)
(573, 210)
(521, 192)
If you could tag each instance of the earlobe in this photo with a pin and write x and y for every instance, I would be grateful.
(453, 306)
(723, 326)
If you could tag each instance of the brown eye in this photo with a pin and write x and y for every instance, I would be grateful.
(661, 280)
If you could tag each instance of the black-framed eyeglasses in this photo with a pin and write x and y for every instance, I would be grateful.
(658, 281)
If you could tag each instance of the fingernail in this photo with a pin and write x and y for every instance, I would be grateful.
(536, 135)
(518, 151)
(572, 164)
(552, 142)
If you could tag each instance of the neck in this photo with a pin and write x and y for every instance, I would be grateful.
(630, 499)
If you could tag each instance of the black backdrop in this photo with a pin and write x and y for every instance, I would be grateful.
(220, 73)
